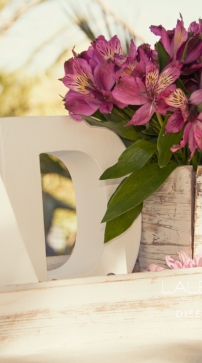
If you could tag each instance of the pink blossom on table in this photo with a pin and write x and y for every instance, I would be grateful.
(152, 267)
(185, 261)
(134, 91)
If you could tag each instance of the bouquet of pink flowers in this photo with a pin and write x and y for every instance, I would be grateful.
(152, 99)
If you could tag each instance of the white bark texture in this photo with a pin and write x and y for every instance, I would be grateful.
(198, 213)
(167, 219)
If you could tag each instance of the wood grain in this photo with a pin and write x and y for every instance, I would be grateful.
(167, 219)
(103, 319)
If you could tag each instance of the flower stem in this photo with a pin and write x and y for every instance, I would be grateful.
(159, 118)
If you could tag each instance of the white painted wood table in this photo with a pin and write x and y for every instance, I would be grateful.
(104, 319)
(142, 317)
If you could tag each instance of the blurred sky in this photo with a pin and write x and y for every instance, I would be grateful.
(41, 22)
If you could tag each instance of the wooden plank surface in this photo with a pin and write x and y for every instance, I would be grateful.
(104, 319)
(167, 219)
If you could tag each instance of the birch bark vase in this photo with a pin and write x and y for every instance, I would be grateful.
(197, 245)
(167, 219)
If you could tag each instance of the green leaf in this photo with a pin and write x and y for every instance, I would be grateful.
(150, 132)
(164, 143)
(133, 158)
(136, 188)
(118, 225)
(127, 132)
(199, 107)
(163, 56)
(116, 117)
(98, 115)
(181, 85)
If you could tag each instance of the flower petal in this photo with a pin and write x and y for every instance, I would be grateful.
(195, 28)
(151, 79)
(184, 139)
(188, 137)
(107, 49)
(176, 99)
(169, 75)
(109, 98)
(199, 263)
(198, 131)
(104, 76)
(68, 66)
(165, 40)
(130, 90)
(106, 107)
(196, 97)
(194, 49)
(172, 263)
(198, 259)
(144, 53)
(183, 257)
(161, 106)
(190, 70)
(82, 79)
(81, 66)
(142, 115)
(152, 267)
(76, 103)
(180, 37)
(175, 122)
(132, 50)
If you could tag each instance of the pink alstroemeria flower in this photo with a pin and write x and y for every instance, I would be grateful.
(192, 136)
(185, 261)
(179, 43)
(146, 54)
(195, 28)
(108, 50)
(133, 91)
(131, 66)
(184, 111)
(172, 40)
(90, 89)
